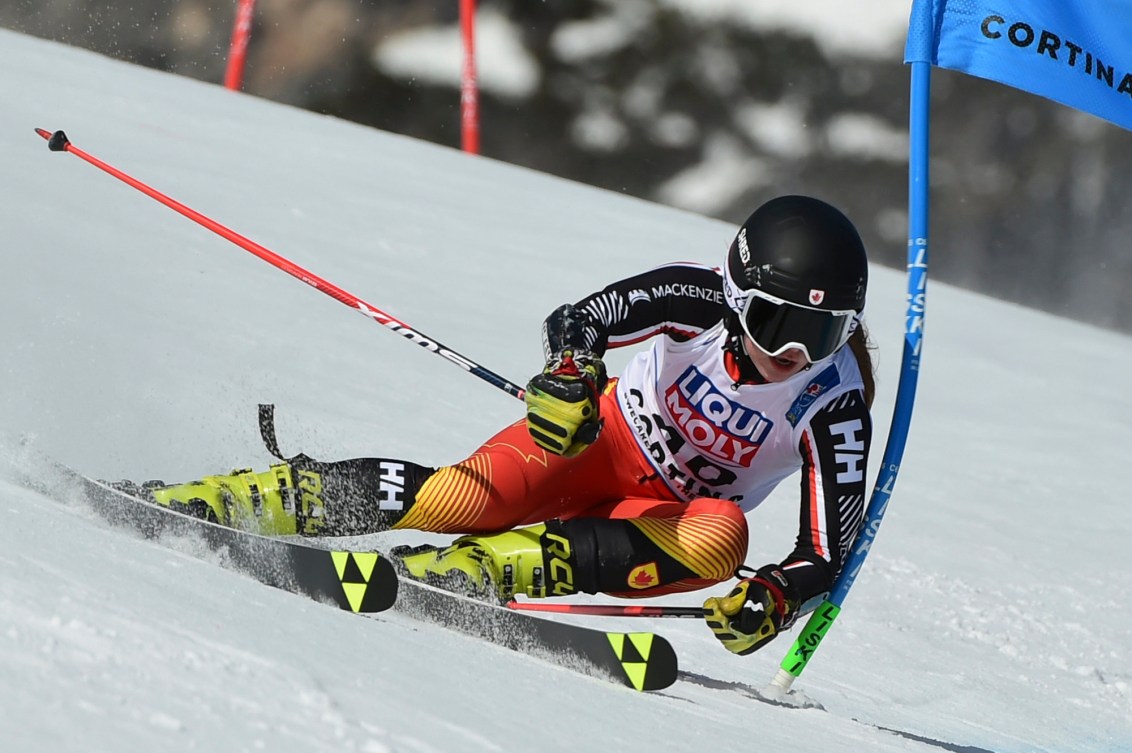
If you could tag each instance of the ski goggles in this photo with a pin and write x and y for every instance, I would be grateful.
(776, 326)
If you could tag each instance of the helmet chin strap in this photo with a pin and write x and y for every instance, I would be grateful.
(748, 372)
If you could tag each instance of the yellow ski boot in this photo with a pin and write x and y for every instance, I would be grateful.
(495, 567)
(262, 503)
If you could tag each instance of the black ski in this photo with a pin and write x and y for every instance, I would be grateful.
(353, 581)
(643, 661)
(367, 582)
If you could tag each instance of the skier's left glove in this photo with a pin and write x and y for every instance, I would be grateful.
(755, 611)
(562, 402)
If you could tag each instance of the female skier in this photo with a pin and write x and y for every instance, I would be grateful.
(638, 485)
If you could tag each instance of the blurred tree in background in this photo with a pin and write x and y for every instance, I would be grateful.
(710, 114)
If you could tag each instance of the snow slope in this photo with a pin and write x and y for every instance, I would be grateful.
(992, 615)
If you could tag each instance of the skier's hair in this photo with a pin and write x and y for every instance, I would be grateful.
(862, 346)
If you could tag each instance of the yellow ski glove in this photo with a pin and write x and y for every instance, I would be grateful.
(562, 402)
(753, 613)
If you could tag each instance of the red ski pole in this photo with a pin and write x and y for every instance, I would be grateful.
(58, 142)
(606, 610)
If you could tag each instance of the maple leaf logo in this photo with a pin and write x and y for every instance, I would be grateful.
(644, 576)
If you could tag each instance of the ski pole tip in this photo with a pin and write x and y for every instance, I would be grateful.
(782, 681)
(57, 141)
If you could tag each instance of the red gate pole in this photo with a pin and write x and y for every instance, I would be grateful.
(238, 47)
(469, 92)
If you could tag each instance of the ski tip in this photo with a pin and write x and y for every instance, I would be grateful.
(369, 582)
(647, 661)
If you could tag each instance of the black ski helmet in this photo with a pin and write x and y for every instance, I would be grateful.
(801, 251)
(804, 251)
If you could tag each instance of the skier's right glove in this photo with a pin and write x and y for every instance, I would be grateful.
(755, 611)
(562, 402)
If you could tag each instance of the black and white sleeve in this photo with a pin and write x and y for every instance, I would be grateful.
(677, 300)
(835, 453)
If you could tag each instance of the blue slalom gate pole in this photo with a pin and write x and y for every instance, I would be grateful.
(823, 617)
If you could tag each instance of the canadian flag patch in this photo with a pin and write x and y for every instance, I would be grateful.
(817, 296)
(644, 576)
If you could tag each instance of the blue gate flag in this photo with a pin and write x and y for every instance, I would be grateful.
(1069, 51)
(1077, 52)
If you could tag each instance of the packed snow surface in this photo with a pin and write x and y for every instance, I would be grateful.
(992, 615)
